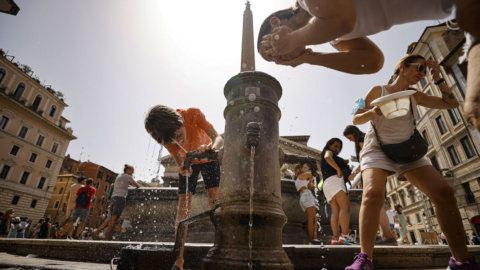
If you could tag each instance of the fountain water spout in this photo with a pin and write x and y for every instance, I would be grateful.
(253, 134)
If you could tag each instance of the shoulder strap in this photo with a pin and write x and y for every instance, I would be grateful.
(413, 113)
(376, 134)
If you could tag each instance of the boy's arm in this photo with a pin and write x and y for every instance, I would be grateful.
(217, 140)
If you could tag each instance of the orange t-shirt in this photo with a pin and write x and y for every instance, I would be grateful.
(196, 126)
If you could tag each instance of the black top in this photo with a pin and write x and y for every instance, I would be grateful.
(328, 170)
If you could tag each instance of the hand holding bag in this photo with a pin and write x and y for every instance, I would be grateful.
(408, 151)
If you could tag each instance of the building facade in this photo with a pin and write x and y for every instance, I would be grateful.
(102, 177)
(33, 140)
(454, 143)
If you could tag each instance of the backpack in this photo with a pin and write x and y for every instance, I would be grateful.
(82, 199)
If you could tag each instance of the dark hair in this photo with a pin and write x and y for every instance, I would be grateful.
(330, 142)
(283, 14)
(89, 181)
(162, 122)
(357, 135)
(81, 178)
(398, 206)
(407, 60)
(127, 167)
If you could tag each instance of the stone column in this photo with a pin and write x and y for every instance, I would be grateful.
(252, 96)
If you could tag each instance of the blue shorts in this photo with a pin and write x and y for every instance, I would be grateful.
(210, 173)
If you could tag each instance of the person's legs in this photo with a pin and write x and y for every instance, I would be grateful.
(80, 227)
(344, 214)
(212, 197)
(334, 217)
(183, 212)
(111, 224)
(386, 230)
(311, 222)
(372, 201)
(430, 182)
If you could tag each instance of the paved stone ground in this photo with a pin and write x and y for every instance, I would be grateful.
(16, 262)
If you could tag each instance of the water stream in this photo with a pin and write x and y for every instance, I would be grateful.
(186, 180)
(250, 222)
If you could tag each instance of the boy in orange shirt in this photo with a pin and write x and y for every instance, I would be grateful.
(181, 131)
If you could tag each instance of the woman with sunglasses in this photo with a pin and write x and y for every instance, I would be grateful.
(376, 166)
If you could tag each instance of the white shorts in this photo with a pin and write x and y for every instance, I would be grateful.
(306, 199)
(332, 185)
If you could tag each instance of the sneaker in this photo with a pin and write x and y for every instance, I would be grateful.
(343, 241)
(334, 241)
(316, 242)
(350, 237)
(469, 265)
(362, 262)
(387, 242)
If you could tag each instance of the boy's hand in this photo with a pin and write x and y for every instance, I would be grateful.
(183, 171)
(205, 147)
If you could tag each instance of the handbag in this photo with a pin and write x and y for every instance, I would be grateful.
(407, 151)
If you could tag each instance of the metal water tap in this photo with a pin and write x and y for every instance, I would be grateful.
(253, 134)
(195, 155)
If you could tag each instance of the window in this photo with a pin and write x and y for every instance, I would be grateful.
(33, 157)
(454, 116)
(411, 194)
(48, 164)
(36, 102)
(4, 173)
(19, 91)
(2, 74)
(61, 191)
(53, 109)
(441, 125)
(33, 203)
(56, 204)
(14, 150)
(24, 178)
(424, 135)
(419, 220)
(423, 82)
(3, 122)
(429, 92)
(467, 147)
(100, 175)
(40, 140)
(23, 132)
(453, 155)
(41, 183)
(468, 193)
(15, 200)
(394, 199)
(401, 194)
(434, 161)
(54, 147)
(408, 220)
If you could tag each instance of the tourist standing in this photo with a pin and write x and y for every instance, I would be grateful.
(376, 165)
(304, 185)
(84, 197)
(44, 230)
(181, 131)
(5, 221)
(71, 197)
(402, 222)
(335, 192)
(354, 134)
(119, 197)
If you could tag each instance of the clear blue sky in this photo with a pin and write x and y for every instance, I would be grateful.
(114, 59)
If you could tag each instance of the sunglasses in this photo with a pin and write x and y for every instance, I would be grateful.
(420, 68)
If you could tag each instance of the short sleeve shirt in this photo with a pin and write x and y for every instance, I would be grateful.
(196, 126)
(120, 186)
(91, 191)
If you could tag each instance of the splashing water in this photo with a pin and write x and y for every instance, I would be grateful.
(186, 179)
(250, 222)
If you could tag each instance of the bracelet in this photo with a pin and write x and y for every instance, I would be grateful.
(439, 81)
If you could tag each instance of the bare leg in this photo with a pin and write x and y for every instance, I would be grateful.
(385, 225)
(372, 201)
(212, 196)
(183, 213)
(430, 182)
(344, 215)
(334, 217)
(111, 224)
(311, 222)
(80, 227)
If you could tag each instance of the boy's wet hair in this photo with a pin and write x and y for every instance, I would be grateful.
(283, 14)
(162, 122)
